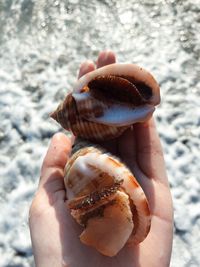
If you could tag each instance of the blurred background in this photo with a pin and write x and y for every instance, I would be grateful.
(42, 44)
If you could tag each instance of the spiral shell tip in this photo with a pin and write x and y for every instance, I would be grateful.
(53, 115)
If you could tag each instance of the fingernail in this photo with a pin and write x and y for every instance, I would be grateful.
(104, 56)
(57, 137)
(107, 56)
(86, 65)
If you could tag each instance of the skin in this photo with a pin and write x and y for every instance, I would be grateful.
(54, 233)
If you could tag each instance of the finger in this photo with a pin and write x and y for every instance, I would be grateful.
(54, 162)
(105, 58)
(149, 151)
(109, 145)
(127, 147)
(86, 67)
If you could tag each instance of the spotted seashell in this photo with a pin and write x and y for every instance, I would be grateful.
(105, 198)
(105, 102)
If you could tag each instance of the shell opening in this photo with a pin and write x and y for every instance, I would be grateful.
(114, 101)
(121, 89)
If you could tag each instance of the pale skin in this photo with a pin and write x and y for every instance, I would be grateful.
(54, 233)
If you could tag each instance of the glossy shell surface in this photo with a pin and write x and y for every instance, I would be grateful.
(104, 197)
(105, 102)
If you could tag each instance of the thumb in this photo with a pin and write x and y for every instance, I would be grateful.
(54, 163)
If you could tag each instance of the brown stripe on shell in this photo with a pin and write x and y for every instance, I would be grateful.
(142, 212)
(102, 180)
(98, 212)
(144, 89)
(78, 213)
(71, 111)
(133, 181)
(114, 162)
(90, 107)
(115, 88)
(145, 206)
(94, 131)
(97, 196)
(66, 113)
(134, 217)
(78, 153)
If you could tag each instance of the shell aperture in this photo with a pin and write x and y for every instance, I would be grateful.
(109, 112)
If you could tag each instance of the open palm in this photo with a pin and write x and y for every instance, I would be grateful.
(55, 234)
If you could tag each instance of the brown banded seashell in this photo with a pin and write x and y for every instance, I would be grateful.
(70, 119)
(107, 101)
(105, 198)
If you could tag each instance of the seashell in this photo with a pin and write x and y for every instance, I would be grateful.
(105, 198)
(103, 195)
(105, 102)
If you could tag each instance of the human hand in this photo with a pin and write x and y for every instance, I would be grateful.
(55, 234)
